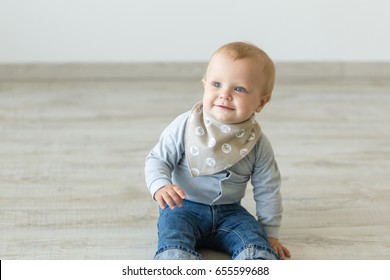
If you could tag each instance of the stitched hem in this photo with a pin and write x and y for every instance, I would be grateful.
(255, 252)
(177, 253)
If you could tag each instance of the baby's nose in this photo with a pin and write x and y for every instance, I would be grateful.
(225, 94)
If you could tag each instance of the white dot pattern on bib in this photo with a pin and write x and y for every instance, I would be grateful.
(226, 148)
(195, 172)
(225, 128)
(241, 133)
(199, 131)
(207, 121)
(194, 151)
(211, 142)
(244, 152)
(211, 162)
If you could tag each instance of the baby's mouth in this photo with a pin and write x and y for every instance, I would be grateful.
(224, 107)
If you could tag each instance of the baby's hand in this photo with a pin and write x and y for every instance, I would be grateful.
(171, 195)
(279, 249)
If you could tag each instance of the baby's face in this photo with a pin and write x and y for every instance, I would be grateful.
(233, 89)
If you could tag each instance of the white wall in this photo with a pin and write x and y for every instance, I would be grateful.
(182, 30)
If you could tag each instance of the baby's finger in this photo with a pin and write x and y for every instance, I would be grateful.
(286, 252)
(179, 191)
(175, 197)
(161, 202)
(277, 249)
(281, 253)
(169, 201)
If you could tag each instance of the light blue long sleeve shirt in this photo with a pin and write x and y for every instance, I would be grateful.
(166, 165)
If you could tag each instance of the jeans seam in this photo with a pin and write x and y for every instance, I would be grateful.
(213, 213)
(235, 232)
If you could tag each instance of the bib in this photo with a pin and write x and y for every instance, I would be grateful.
(212, 146)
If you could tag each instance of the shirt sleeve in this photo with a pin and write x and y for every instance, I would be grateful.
(266, 181)
(164, 157)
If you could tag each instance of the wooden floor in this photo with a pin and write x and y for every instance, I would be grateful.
(72, 158)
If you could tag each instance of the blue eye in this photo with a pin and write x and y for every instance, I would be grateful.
(240, 89)
(216, 84)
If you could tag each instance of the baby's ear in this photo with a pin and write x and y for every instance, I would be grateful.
(203, 82)
(264, 100)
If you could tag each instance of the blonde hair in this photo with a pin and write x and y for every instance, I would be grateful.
(241, 50)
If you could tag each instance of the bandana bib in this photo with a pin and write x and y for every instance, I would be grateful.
(212, 146)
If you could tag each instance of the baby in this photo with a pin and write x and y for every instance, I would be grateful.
(199, 170)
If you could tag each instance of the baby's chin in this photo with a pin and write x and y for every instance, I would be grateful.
(225, 119)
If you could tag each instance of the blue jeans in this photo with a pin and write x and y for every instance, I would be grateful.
(229, 228)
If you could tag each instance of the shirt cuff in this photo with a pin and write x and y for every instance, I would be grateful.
(158, 184)
(272, 231)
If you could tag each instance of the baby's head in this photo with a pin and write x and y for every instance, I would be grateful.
(238, 82)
